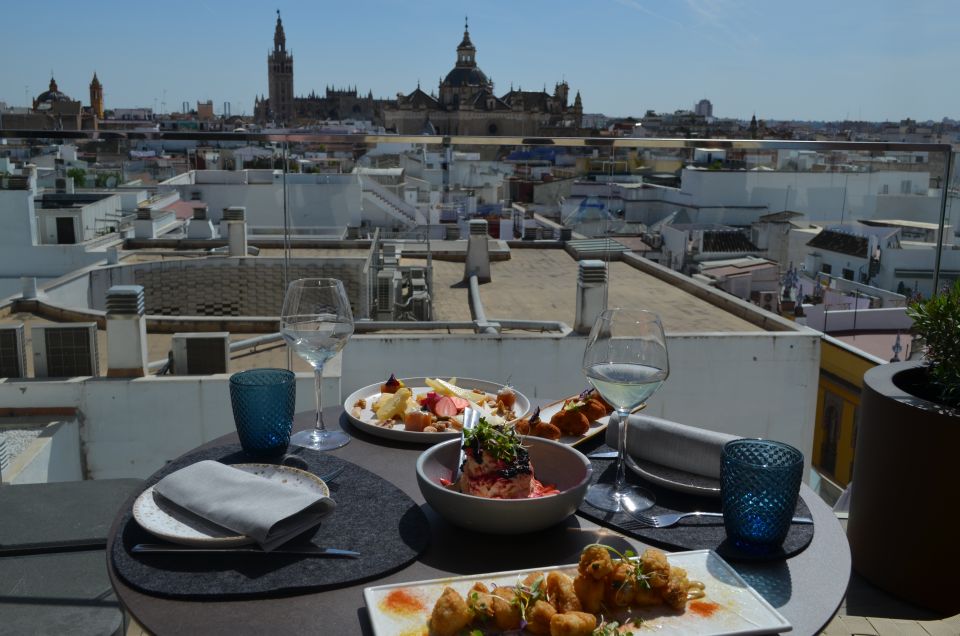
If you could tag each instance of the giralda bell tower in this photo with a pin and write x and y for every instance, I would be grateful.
(280, 77)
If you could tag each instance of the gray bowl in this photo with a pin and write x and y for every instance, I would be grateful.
(553, 463)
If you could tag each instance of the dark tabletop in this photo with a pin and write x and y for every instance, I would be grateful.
(807, 589)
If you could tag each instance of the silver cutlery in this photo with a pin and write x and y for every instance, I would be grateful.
(307, 550)
(669, 519)
(603, 455)
(470, 418)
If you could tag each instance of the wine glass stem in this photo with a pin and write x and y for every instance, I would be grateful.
(621, 482)
(319, 429)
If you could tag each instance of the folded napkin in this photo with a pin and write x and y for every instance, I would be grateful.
(267, 511)
(671, 444)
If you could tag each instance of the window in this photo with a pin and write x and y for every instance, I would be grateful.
(826, 268)
(848, 273)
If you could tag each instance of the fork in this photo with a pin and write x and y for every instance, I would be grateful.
(670, 519)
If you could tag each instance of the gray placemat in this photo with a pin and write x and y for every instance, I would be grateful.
(691, 533)
(372, 517)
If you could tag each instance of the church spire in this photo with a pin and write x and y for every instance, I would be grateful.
(466, 52)
(279, 38)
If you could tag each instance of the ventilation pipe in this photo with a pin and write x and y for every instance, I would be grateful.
(126, 332)
(29, 284)
(478, 253)
(236, 229)
(591, 299)
(200, 226)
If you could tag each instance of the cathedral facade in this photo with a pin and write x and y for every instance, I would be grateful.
(282, 108)
(466, 104)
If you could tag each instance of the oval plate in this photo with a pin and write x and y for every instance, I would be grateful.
(596, 427)
(171, 523)
(364, 419)
(673, 479)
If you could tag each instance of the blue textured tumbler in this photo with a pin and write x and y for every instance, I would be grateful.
(759, 485)
(263, 402)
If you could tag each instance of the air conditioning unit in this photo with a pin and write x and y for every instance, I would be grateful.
(13, 353)
(202, 353)
(389, 292)
(768, 300)
(65, 351)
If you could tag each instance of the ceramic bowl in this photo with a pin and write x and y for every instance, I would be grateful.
(553, 463)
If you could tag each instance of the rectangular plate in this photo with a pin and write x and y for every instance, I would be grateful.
(740, 609)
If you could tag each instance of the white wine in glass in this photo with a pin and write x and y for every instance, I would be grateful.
(626, 361)
(316, 322)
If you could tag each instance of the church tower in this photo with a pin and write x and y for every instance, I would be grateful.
(280, 77)
(96, 97)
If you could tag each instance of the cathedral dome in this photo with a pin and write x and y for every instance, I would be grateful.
(51, 95)
(465, 76)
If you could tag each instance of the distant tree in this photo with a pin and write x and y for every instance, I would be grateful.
(79, 176)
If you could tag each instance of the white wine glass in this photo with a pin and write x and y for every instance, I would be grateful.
(626, 361)
(316, 323)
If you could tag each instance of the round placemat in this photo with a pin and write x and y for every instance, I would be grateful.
(373, 517)
(691, 533)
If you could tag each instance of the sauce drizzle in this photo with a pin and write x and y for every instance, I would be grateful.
(705, 609)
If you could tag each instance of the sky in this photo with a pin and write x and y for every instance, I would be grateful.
(872, 60)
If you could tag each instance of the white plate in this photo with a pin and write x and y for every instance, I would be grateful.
(364, 420)
(739, 608)
(596, 427)
(673, 479)
(159, 517)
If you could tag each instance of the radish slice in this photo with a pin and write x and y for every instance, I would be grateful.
(460, 403)
(445, 407)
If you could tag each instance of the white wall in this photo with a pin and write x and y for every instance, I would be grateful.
(748, 384)
(890, 319)
(312, 200)
(53, 456)
(17, 222)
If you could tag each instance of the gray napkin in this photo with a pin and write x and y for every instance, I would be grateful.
(687, 448)
(267, 511)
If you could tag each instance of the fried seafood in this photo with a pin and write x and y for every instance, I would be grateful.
(572, 624)
(450, 614)
(559, 605)
(595, 561)
(560, 593)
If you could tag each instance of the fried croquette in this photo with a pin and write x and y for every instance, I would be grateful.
(450, 614)
(675, 592)
(590, 592)
(538, 617)
(560, 593)
(620, 586)
(595, 562)
(571, 421)
(572, 624)
(655, 567)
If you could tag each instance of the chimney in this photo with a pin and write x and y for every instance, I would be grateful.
(478, 252)
(200, 226)
(126, 332)
(591, 299)
(235, 218)
(29, 287)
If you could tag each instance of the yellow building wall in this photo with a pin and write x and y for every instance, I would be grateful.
(838, 402)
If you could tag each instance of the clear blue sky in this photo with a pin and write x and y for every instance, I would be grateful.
(867, 59)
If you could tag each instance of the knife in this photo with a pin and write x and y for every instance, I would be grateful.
(308, 550)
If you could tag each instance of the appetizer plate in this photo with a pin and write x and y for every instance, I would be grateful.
(364, 418)
(729, 607)
(596, 427)
(674, 479)
(165, 520)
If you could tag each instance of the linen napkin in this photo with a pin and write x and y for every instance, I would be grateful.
(269, 512)
(687, 448)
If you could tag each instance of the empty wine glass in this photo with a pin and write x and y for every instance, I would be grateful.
(626, 361)
(316, 322)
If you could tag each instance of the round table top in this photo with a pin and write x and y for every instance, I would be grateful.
(807, 589)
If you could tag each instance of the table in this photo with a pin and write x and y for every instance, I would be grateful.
(806, 589)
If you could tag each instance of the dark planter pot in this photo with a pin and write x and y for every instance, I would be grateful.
(904, 526)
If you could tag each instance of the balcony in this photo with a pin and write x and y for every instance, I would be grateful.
(736, 368)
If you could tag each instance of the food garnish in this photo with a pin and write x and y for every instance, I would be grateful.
(392, 385)
(581, 606)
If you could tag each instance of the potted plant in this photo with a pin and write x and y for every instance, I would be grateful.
(905, 500)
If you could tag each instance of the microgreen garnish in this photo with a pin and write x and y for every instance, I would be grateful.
(501, 442)
(526, 595)
(613, 628)
(536, 416)
(585, 395)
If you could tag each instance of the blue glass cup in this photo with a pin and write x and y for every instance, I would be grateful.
(263, 404)
(759, 485)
